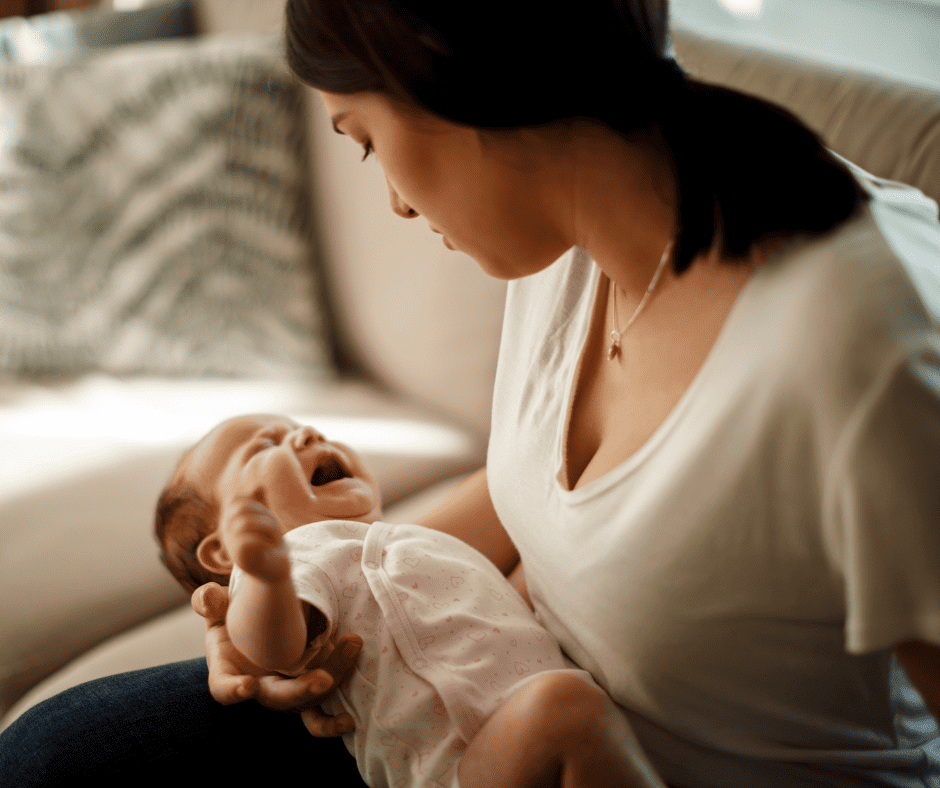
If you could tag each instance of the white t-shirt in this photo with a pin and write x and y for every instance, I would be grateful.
(737, 584)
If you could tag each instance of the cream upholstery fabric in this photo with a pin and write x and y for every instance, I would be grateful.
(888, 128)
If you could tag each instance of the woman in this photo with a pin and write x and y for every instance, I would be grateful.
(716, 420)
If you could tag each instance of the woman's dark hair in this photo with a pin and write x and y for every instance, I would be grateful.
(183, 519)
(744, 168)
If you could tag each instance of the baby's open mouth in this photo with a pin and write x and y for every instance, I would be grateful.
(328, 471)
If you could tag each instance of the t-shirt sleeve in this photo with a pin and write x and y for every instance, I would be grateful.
(887, 510)
(314, 586)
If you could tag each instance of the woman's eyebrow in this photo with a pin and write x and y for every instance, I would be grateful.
(339, 117)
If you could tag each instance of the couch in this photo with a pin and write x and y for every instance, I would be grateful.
(404, 332)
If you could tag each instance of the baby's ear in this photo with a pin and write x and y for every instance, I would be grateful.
(212, 555)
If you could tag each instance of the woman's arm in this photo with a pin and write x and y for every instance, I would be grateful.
(469, 515)
(557, 730)
(921, 662)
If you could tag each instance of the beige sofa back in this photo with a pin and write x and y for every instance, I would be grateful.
(425, 321)
(884, 126)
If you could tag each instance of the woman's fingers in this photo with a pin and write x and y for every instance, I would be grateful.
(230, 681)
(227, 688)
(232, 678)
(342, 659)
(312, 688)
(287, 694)
(324, 726)
(211, 602)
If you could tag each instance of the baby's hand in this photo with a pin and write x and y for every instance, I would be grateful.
(254, 539)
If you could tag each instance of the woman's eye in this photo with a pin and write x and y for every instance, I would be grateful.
(368, 149)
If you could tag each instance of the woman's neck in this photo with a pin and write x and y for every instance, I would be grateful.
(623, 202)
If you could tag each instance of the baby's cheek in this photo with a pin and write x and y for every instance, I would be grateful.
(297, 509)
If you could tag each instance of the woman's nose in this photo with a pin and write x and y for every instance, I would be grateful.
(398, 205)
(304, 437)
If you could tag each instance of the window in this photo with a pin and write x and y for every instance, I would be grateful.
(894, 38)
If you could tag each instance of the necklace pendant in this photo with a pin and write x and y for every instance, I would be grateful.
(614, 350)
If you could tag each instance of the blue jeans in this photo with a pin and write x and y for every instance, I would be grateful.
(161, 724)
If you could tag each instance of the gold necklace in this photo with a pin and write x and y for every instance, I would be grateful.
(614, 350)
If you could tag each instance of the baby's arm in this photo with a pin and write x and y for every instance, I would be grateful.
(266, 621)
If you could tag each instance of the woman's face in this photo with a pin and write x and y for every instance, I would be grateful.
(490, 198)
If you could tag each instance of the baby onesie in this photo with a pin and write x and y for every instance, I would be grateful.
(447, 640)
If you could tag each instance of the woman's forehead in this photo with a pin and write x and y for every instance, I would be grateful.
(370, 106)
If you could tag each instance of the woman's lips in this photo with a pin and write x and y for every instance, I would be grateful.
(447, 244)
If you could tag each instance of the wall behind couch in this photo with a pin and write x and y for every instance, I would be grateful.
(222, 16)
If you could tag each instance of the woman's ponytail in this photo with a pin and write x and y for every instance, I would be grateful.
(746, 170)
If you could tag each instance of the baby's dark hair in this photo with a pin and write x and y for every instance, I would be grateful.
(184, 518)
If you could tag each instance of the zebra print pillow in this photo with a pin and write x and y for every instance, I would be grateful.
(154, 215)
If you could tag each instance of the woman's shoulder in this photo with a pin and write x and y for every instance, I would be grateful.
(898, 235)
(893, 194)
(844, 308)
(881, 268)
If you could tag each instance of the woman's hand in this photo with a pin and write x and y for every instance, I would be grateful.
(234, 678)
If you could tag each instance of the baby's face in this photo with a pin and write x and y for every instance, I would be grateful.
(292, 469)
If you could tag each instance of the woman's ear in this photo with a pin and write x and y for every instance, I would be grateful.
(212, 555)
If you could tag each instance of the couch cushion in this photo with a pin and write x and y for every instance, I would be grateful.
(154, 215)
(83, 465)
(240, 16)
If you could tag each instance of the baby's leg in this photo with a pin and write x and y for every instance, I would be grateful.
(557, 731)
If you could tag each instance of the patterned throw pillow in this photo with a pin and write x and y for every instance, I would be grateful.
(154, 215)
